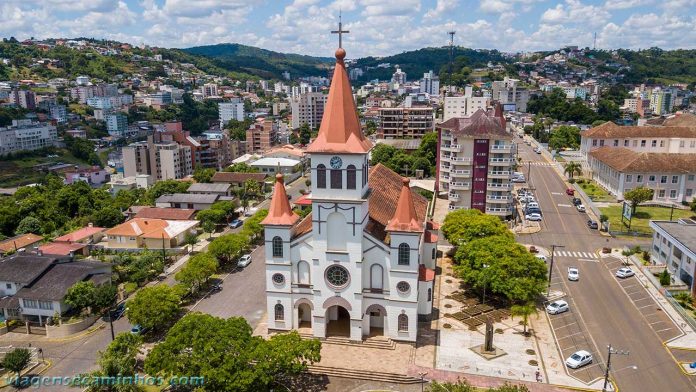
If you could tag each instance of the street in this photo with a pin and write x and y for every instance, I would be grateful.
(602, 312)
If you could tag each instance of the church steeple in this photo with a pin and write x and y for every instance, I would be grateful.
(405, 218)
(280, 213)
(340, 130)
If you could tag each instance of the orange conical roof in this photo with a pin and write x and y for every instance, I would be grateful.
(340, 127)
(280, 212)
(405, 218)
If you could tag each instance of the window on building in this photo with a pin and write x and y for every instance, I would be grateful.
(642, 143)
(629, 177)
(404, 256)
(277, 247)
(692, 144)
(662, 143)
(601, 143)
(690, 177)
(350, 177)
(279, 312)
(434, 253)
(403, 323)
(663, 179)
(673, 194)
(675, 179)
(651, 178)
(681, 144)
(594, 142)
(8, 285)
(616, 143)
(321, 176)
(661, 193)
(336, 179)
(639, 178)
(625, 143)
(689, 192)
(635, 143)
(46, 305)
(430, 295)
(30, 303)
(654, 143)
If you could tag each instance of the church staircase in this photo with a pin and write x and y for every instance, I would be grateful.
(393, 378)
(378, 342)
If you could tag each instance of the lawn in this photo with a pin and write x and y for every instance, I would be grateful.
(594, 191)
(642, 217)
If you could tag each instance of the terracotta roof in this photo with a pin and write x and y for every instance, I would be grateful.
(80, 234)
(237, 177)
(151, 228)
(20, 241)
(477, 125)
(681, 120)
(405, 218)
(626, 160)
(280, 213)
(304, 227)
(165, 213)
(61, 248)
(430, 237)
(425, 274)
(340, 130)
(304, 200)
(610, 130)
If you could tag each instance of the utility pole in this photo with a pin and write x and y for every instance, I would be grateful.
(553, 251)
(611, 351)
(529, 172)
(671, 212)
(594, 45)
(451, 58)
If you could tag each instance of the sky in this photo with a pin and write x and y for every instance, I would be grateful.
(377, 27)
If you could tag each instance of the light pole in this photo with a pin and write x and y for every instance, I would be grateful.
(422, 376)
(611, 351)
(485, 283)
(553, 251)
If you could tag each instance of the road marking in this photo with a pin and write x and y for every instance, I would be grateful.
(590, 260)
(567, 325)
(663, 330)
(570, 336)
(644, 306)
(630, 286)
(564, 205)
(657, 322)
(556, 193)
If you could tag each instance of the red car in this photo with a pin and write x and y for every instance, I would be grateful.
(570, 192)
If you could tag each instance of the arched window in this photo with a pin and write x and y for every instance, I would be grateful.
(336, 179)
(350, 177)
(280, 313)
(430, 295)
(376, 278)
(277, 247)
(402, 322)
(303, 273)
(404, 256)
(321, 176)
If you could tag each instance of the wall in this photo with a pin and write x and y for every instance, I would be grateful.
(60, 331)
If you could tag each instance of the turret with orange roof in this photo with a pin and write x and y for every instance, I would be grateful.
(280, 212)
(405, 218)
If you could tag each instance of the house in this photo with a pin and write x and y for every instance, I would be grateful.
(86, 235)
(64, 249)
(237, 180)
(139, 233)
(92, 175)
(674, 245)
(200, 188)
(164, 213)
(187, 200)
(33, 287)
(19, 242)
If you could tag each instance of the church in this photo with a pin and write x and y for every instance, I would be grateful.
(362, 263)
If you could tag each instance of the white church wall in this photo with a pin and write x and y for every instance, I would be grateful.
(425, 298)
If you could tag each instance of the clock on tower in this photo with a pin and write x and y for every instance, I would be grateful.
(336, 162)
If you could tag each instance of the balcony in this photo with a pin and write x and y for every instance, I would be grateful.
(445, 177)
(499, 174)
(451, 147)
(497, 199)
(453, 196)
(500, 161)
(460, 173)
(459, 185)
(498, 185)
(498, 211)
(501, 147)
(459, 160)
(453, 207)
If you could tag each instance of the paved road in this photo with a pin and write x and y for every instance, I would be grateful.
(606, 314)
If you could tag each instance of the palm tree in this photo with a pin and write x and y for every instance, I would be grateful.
(524, 310)
(573, 168)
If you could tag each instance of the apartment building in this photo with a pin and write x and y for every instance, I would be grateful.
(405, 122)
(674, 245)
(662, 101)
(58, 113)
(163, 160)
(510, 94)
(307, 109)
(233, 110)
(23, 98)
(82, 93)
(209, 90)
(430, 83)
(637, 105)
(26, 135)
(116, 124)
(261, 136)
(475, 162)
(463, 106)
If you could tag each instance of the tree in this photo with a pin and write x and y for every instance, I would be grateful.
(118, 360)
(16, 360)
(241, 167)
(462, 226)
(153, 307)
(382, 153)
(166, 187)
(524, 310)
(464, 386)
(638, 195)
(252, 187)
(29, 224)
(203, 175)
(572, 168)
(108, 217)
(228, 356)
(197, 271)
(81, 295)
(564, 137)
(305, 133)
(228, 247)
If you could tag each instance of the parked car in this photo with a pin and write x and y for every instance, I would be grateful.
(534, 217)
(592, 224)
(138, 330)
(236, 223)
(541, 257)
(518, 180)
(244, 260)
(624, 272)
(532, 204)
(579, 359)
(573, 274)
(537, 150)
(576, 201)
(557, 307)
(118, 312)
(534, 210)
(580, 207)
(216, 287)
(570, 192)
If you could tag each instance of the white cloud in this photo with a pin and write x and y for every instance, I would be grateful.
(624, 4)
(394, 8)
(575, 12)
(200, 8)
(442, 7)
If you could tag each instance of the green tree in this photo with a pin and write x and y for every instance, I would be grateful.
(572, 168)
(227, 248)
(462, 226)
(305, 134)
(29, 224)
(237, 129)
(197, 271)
(464, 386)
(382, 153)
(108, 217)
(221, 351)
(118, 360)
(166, 187)
(241, 167)
(104, 296)
(252, 187)
(81, 295)
(524, 310)
(203, 175)
(16, 360)
(565, 137)
(638, 195)
(153, 307)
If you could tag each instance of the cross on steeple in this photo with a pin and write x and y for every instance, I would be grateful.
(340, 31)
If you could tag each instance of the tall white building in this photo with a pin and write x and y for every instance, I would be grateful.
(307, 109)
(209, 90)
(463, 106)
(510, 94)
(430, 83)
(116, 124)
(399, 76)
(26, 135)
(233, 110)
(362, 263)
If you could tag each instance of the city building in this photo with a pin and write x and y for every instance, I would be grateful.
(92, 175)
(307, 109)
(23, 98)
(430, 84)
(163, 160)
(59, 113)
(189, 201)
(291, 168)
(161, 213)
(512, 96)
(399, 76)
(405, 122)
(25, 135)
(116, 124)
(637, 105)
(209, 90)
(233, 110)
(82, 80)
(19, 242)
(463, 106)
(361, 263)
(220, 189)
(237, 180)
(674, 246)
(662, 101)
(261, 136)
(139, 233)
(475, 162)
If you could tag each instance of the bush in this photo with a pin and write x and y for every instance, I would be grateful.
(603, 218)
(571, 181)
(130, 287)
(646, 255)
(665, 278)
(308, 182)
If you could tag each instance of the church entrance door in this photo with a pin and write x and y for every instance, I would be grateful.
(304, 315)
(338, 321)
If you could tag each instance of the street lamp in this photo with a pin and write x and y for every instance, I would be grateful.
(611, 351)
(422, 377)
(553, 251)
(485, 283)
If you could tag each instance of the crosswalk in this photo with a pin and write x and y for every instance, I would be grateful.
(538, 164)
(576, 254)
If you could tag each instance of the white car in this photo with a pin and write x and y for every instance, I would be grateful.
(624, 272)
(534, 217)
(557, 307)
(573, 274)
(579, 359)
(541, 257)
(532, 204)
(580, 207)
(244, 261)
(518, 180)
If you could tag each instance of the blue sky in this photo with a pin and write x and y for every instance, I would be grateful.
(377, 27)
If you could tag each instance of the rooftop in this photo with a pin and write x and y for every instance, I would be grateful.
(19, 242)
(270, 161)
(80, 234)
(610, 130)
(152, 228)
(205, 187)
(682, 231)
(165, 213)
(23, 268)
(59, 277)
(479, 124)
(626, 160)
(61, 248)
(187, 198)
(237, 177)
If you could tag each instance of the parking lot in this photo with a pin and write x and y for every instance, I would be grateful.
(659, 322)
(571, 334)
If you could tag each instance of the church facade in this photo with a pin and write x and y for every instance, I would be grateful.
(362, 262)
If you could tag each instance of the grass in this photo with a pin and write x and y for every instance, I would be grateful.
(21, 171)
(642, 217)
(594, 191)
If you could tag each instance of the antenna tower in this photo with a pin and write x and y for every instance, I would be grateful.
(451, 58)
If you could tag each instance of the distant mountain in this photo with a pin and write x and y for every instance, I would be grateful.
(262, 62)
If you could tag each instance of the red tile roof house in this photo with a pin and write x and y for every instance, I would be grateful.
(86, 235)
(22, 241)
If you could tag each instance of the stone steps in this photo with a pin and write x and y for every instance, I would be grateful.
(382, 343)
(363, 375)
